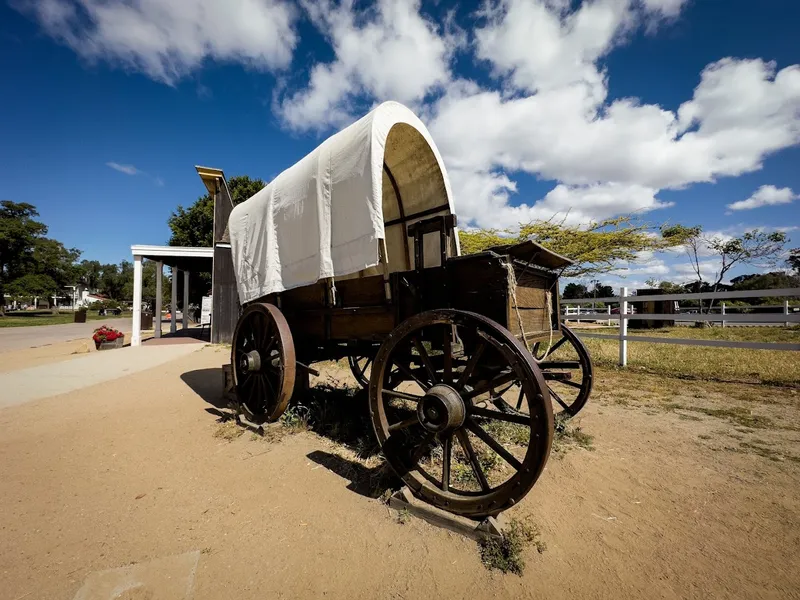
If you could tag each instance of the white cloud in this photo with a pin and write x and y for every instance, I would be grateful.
(766, 195)
(167, 40)
(389, 52)
(127, 169)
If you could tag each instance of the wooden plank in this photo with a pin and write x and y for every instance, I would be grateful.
(366, 291)
(225, 298)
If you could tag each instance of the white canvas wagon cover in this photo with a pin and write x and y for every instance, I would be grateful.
(325, 215)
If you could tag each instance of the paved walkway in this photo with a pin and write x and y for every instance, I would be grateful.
(25, 385)
(16, 338)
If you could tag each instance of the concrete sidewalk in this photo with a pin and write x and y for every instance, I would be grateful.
(25, 385)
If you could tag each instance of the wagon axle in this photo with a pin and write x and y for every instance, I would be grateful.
(441, 409)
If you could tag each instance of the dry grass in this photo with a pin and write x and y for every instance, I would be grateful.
(507, 553)
(773, 367)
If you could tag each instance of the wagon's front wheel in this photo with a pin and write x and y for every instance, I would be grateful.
(263, 362)
(443, 422)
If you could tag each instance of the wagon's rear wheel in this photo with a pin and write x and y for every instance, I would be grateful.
(567, 368)
(263, 361)
(442, 425)
(361, 368)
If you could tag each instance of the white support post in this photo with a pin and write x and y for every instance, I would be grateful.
(136, 335)
(159, 294)
(623, 327)
(173, 322)
(608, 309)
(185, 300)
(786, 312)
(722, 308)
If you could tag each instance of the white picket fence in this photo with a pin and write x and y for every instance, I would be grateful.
(624, 313)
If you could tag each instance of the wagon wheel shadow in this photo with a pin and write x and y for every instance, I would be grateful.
(370, 482)
(341, 415)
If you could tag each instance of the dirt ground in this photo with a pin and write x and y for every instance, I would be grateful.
(689, 491)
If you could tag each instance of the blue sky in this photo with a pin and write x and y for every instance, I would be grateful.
(674, 109)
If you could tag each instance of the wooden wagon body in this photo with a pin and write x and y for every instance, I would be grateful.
(461, 349)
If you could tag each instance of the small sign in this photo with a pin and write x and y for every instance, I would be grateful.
(205, 311)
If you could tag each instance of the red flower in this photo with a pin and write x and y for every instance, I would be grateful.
(106, 334)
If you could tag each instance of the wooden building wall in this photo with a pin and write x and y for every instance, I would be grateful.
(225, 310)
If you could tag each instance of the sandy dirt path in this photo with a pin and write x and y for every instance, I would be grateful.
(129, 471)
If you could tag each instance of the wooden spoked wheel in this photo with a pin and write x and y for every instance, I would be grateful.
(361, 368)
(567, 368)
(442, 427)
(263, 361)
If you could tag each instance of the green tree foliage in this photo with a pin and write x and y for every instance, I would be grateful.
(574, 291)
(597, 247)
(793, 262)
(29, 261)
(193, 226)
(29, 286)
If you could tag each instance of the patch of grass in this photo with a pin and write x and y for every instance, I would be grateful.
(689, 418)
(773, 367)
(765, 452)
(28, 318)
(403, 516)
(567, 434)
(736, 414)
(228, 430)
(507, 553)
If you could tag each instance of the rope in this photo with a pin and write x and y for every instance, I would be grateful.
(512, 288)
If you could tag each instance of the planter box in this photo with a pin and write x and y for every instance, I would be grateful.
(80, 316)
(117, 343)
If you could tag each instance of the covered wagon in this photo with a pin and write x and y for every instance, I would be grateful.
(353, 252)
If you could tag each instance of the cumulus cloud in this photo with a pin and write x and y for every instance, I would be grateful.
(388, 52)
(543, 112)
(127, 169)
(766, 195)
(169, 40)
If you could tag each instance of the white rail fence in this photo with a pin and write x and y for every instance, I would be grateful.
(624, 313)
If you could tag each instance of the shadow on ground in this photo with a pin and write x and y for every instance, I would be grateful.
(208, 384)
(370, 482)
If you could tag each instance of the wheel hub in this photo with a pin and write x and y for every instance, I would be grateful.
(441, 409)
(250, 362)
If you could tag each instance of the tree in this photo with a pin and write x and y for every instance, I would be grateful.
(793, 262)
(666, 286)
(31, 263)
(748, 248)
(574, 291)
(597, 247)
(19, 230)
(193, 226)
(32, 285)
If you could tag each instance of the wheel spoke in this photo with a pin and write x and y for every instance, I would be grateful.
(408, 373)
(559, 400)
(421, 449)
(571, 383)
(493, 444)
(500, 416)
(471, 364)
(401, 395)
(271, 388)
(463, 439)
(403, 424)
(426, 360)
(446, 452)
(447, 350)
(497, 381)
(553, 348)
(521, 396)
